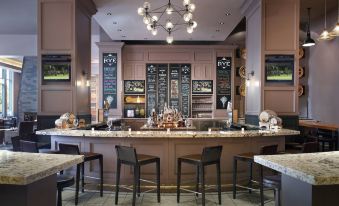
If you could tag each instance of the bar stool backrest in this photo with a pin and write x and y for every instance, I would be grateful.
(27, 146)
(26, 128)
(69, 149)
(211, 154)
(16, 143)
(269, 150)
(310, 147)
(127, 155)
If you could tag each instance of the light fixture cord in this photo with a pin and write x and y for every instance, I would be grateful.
(338, 10)
(309, 20)
(325, 15)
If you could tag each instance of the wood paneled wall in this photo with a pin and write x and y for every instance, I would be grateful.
(202, 59)
(64, 27)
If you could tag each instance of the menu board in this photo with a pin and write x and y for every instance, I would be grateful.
(151, 88)
(162, 85)
(174, 86)
(185, 89)
(110, 79)
(224, 76)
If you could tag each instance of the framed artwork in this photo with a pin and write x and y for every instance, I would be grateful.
(134, 86)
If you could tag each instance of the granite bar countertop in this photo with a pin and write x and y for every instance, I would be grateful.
(165, 134)
(320, 168)
(21, 168)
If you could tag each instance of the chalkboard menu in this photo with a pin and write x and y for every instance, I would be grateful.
(224, 76)
(151, 87)
(162, 85)
(110, 79)
(185, 89)
(169, 84)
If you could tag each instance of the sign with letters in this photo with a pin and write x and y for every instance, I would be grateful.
(223, 84)
(110, 79)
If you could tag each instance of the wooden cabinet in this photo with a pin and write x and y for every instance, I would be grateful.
(202, 71)
(134, 71)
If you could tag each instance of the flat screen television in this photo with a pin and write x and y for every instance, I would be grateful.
(56, 67)
(279, 68)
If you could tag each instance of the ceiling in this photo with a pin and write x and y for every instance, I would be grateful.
(125, 24)
(317, 8)
(18, 16)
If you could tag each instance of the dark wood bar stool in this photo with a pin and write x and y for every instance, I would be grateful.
(88, 156)
(62, 180)
(209, 156)
(129, 156)
(271, 182)
(310, 147)
(249, 158)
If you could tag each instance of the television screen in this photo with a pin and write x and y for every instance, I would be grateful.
(56, 67)
(279, 68)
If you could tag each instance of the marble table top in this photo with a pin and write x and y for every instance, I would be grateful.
(165, 134)
(320, 168)
(21, 168)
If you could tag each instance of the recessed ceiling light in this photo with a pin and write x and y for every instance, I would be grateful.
(217, 30)
(109, 14)
(221, 23)
(228, 14)
(114, 22)
(123, 36)
(119, 29)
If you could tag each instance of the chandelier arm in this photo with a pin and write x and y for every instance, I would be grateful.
(177, 11)
(162, 13)
(154, 10)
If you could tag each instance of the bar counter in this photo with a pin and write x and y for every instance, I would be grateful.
(167, 146)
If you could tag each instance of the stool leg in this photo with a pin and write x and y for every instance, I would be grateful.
(136, 175)
(219, 182)
(234, 178)
(77, 183)
(59, 197)
(139, 183)
(101, 162)
(83, 177)
(197, 181)
(178, 180)
(261, 185)
(277, 197)
(158, 179)
(117, 181)
(202, 167)
(250, 167)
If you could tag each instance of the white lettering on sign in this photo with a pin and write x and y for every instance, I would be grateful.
(224, 63)
(110, 60)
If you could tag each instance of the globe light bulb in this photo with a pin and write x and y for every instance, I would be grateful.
(169, 39)
(147, 5)
(169, 10)
(154, 31)
(141, 11)
(146, 20)
(191, 7)
(190, 30)
(195, 24)
(169, 25)
(186, 2)
(325, 35)
(149, 27)
(188, 16)
(154, 18)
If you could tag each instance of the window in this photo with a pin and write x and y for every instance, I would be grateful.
(6, 92)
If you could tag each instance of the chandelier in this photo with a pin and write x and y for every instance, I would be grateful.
(154, 18)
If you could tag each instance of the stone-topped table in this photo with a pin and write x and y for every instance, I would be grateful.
(30, 178)
(307, 179)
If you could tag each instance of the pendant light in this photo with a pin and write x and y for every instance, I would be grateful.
(325, 35)
(335, 31)
(308, 41)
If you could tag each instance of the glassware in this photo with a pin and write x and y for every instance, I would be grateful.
(109, 124)
(76, 123)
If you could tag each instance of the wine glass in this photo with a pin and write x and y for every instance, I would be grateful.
(109, 124)
(76, 123)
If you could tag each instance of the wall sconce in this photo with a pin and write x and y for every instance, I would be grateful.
(79, 83)
(88, 83)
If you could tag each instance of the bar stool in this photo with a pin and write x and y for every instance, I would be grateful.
(128, 156)
(62, 180)
(209, 156)
(272, 182)
(249, 158)
(88, 156)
